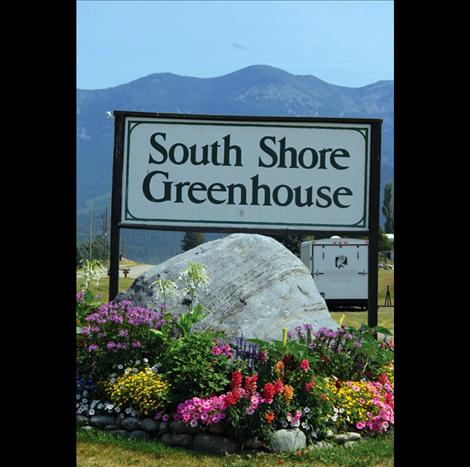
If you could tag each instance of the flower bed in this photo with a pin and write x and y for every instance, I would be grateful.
(143, 373)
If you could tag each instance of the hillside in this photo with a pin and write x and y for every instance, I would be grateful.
(255, 90)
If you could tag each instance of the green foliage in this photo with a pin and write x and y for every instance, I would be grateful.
(388, 208)
(385, 244)
(290, 241)
(192, 369)
(191, 240)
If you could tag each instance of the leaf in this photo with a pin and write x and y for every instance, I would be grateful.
(79, 330)
(383, 330)
(156, 332)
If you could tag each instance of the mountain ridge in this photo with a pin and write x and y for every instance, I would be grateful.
(256, 90)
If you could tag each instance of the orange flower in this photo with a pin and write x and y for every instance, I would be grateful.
(288, 393)
(279, 368)
(269, 417)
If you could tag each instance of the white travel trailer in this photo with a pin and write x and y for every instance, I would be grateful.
(339, 267)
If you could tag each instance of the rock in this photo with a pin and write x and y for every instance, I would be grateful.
(253, 443)
(218, 428)
(101, 421)
(340, 439)
(329, 434)
(149, 425)
(353, 436)
(131, 424)
(214, 444)
(111, 427)
(257, 287)
(139, 434)
(122, 433)
(181, 440)
(182, 428)
(163, 427)
(82, 420)
(166, 439)
(288, 440)
(88, 428)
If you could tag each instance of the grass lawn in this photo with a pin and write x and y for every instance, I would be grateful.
(103, 449)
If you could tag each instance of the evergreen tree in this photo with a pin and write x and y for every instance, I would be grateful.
(387, 208)
(290, 241)
(191, 240)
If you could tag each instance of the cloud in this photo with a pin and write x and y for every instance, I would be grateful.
(238, 46)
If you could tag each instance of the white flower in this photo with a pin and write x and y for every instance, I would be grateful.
(284, 424)
(85, 393)
(117, 409)
(335, 417)
(120, 367)
(305, 426)
(146, 360)
(77, 405)
(85, 401)
(335, 410)
(100, 405)
(128, 410)
(341, 410)
(137, 362)
(91, 412)
(78, 396)
(306, 410)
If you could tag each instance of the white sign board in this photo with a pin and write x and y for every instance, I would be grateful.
(251, 174)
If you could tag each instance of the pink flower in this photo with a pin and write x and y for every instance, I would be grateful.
(362, 401)
(304, 365)
(360, 425)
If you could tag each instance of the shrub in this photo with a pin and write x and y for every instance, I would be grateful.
(363, 405)
(195, 368)
(142, 390)
(117, 332)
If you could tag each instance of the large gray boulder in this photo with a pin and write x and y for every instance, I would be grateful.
(257, 287)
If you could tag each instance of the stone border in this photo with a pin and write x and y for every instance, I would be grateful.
(211, 440)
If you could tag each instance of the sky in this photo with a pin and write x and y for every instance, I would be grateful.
(346, 43)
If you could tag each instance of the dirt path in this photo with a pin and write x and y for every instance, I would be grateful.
(136, 271)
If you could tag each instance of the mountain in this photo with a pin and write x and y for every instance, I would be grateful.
(255, 90)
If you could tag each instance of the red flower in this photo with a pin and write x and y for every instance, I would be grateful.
(236, 379)
(278, 386)
(250, 383)
(269, 391)
(309, 385)
(304, 365)
(383, 378)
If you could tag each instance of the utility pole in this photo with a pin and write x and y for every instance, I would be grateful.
(90, 231)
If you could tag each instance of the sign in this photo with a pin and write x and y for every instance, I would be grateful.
(245, 173)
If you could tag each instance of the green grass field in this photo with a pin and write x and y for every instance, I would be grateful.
(103, 449)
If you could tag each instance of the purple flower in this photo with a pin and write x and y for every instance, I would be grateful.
(123, 332)
(357, 344)
(136, 344)
(111, 345)
(92, 347)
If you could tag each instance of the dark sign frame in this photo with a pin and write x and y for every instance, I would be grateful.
(374, 195)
